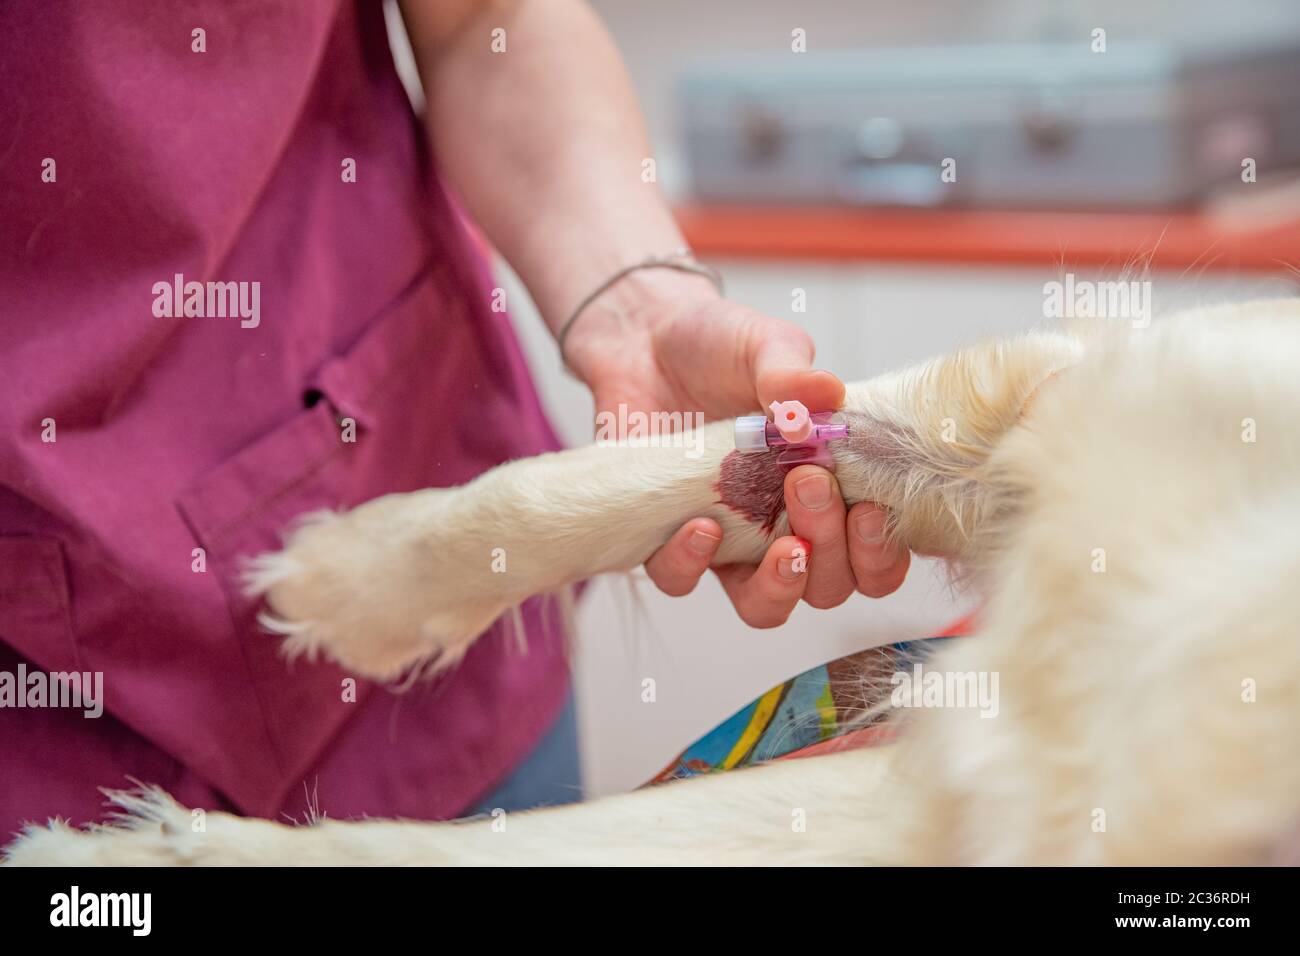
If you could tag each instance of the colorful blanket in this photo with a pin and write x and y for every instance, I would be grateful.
(822, 710)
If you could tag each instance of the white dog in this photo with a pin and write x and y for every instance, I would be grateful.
(1127, 501)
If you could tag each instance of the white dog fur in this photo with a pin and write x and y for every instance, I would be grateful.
(1131, 522)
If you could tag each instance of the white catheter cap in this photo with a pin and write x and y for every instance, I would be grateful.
(751, 433)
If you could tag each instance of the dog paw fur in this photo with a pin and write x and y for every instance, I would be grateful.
(384, 590)
(148, 828)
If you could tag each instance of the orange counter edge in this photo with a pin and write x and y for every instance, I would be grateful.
(1114, 240)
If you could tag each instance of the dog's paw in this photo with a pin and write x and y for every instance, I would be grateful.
(380, 590)
(148, 829)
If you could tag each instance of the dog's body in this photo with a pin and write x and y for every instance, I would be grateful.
(1130, 520)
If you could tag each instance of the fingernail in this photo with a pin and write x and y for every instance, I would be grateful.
(702, 542)
(813, 492)
(870, 526)
(795, 565)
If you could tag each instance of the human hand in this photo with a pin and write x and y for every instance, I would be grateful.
(667, 342)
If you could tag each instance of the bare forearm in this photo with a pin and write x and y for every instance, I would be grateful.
(545, 144)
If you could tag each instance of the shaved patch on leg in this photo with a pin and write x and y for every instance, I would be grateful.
(753, 486)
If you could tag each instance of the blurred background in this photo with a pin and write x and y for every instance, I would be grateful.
(820, 171)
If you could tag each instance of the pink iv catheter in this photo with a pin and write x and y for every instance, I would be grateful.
(797, 436)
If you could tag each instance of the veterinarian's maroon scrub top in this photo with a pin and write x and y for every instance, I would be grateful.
(127, 158)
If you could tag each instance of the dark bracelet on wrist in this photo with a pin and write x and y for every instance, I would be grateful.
(683, 260)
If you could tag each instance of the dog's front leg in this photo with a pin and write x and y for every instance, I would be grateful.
(409, 577)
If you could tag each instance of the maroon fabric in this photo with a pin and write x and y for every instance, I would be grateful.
(194, 432)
